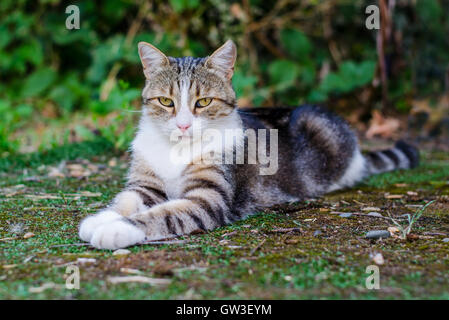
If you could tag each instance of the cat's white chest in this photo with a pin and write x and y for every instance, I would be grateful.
(158, 155)
(168, 160)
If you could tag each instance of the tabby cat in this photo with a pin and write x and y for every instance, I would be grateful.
(317, 153)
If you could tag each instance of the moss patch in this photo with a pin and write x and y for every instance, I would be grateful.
(255, 258)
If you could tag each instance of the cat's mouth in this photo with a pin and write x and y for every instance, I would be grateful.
(184, 134)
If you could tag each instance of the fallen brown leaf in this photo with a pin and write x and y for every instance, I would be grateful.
(28, 235)
(382, 126)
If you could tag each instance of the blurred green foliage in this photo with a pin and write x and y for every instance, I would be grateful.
(289, 52)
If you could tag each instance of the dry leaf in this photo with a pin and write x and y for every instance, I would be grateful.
(371, 209)
(8, 238)
(394, 196)
(227, 234)
(130, 271)
(12, 191)
(285, 230)
(393, 230)
(412, 237)
(400, 185)
(121, 252)
(88, 194)
(382, 126)
(28, 235)
(237, 11)
(112, 162)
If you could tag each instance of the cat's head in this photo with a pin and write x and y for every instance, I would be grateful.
(181, 93)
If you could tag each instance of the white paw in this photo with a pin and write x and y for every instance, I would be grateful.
(116, 234)
(90, 224)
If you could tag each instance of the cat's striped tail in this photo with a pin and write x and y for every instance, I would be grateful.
(401, 156)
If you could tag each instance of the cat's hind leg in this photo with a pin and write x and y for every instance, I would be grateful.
(354, 173)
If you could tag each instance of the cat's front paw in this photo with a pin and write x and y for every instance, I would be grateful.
(91, 223)
(116, 234)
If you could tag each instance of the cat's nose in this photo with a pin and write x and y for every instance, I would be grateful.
(183, 127)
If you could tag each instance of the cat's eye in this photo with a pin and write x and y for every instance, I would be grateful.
(166, 102)
(204, 102)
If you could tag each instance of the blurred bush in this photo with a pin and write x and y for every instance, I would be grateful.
(289, 52)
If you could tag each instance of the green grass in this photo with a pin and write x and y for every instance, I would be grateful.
(86, 149)
(211, 265)
(429, 174)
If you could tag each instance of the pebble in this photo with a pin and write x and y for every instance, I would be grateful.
(377, 234)
(317, 233)
(121, 252)
(446, 240)
(346, 215)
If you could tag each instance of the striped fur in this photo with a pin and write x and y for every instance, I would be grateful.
(317, 153)
(402, 156)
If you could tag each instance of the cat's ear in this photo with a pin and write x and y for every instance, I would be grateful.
(223, 59)
(152, 58)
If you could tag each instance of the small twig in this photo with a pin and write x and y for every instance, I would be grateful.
(164, 242)
(9, 238)
(358, 202)
(27, 259)
(257, 247)
(360, 215)
(228, 234)
(436, 234)
(71, 245)
(139, 279)
(284, 230)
